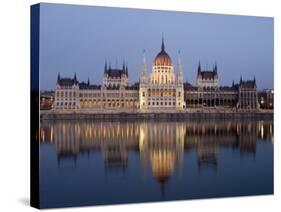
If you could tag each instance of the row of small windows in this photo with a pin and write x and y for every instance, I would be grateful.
(89, 95)
(110, 100)
(65, 104)
(162, 67)
(161, 99)
(162, 94)
(248, 95)
(161, 103)
(65, 94)
(207, 80)
(106, 95)
(163, 70)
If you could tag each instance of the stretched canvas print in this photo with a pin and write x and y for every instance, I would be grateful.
(134, 105)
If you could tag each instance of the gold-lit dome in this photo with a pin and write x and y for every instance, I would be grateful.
(162, 58)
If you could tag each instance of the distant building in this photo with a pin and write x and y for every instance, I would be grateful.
(266, 99)
(162, 90)
(248, 96)
(46, 100)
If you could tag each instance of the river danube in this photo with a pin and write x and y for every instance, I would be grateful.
(104, 162)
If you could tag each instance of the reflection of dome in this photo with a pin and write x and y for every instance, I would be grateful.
(162, 162)
(162, 58)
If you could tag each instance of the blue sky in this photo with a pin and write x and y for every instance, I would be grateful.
(79, 39)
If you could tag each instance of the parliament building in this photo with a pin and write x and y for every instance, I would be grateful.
(161, 90)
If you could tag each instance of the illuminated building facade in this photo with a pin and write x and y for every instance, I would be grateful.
(115, 94)
(248, 95)
(207, 78)
(266, 99)
(162, 90)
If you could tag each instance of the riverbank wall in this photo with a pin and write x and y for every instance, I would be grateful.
(156, 116)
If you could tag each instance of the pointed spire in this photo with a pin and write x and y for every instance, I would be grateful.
(143, 69)
(232, 83)
(254, 80)
(199, 68)
(179, 61)
(88, 81)
(123, 68)
(144, 63)
(179, 58)
(75, 78)
(180, 78)
(126, 70)
(216, 68)
(105, 67)
(163, 45)
(240, 79)
(58, 77)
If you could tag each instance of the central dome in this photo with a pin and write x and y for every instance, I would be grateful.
(162, 58)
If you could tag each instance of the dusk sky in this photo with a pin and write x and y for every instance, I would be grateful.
(80, 38)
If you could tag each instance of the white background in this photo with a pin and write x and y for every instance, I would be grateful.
(14, 102)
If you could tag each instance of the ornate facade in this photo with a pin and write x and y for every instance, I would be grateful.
(163, 90)
(115, 94)
(207, 78)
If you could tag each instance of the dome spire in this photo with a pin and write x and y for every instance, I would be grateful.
(163, 45)
(162, 58)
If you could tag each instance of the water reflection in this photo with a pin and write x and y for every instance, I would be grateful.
(160, 145)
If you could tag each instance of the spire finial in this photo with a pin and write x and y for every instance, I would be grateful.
(75, 78)
(105, 66)
(199, 67)
(216, 67)
(163, 45)
(58, 76)
(88, 80)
